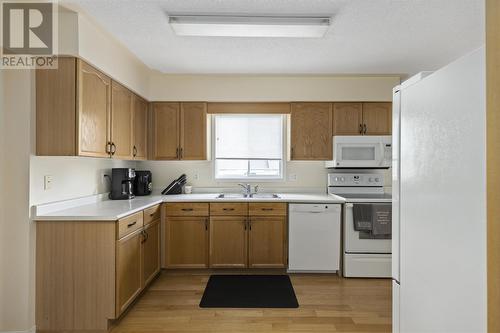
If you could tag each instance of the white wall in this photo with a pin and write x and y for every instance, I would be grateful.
(72, 177)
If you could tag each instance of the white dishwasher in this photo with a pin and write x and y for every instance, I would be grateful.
(314, 237)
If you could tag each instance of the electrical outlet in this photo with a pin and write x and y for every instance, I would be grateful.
(292, 177)
(47, 182)
(196, 176)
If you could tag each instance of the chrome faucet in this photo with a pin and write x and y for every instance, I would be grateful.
(247, 189)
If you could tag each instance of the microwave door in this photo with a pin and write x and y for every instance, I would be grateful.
(358, 156)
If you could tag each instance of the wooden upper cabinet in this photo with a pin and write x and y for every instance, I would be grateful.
(378, 118)
(228, 241)
(267, 242)
(166, 131)
(347, 118)
(56, 109)
(193, 131)
(121, 121)
(140, 125)
(311, 131)
(93, 112)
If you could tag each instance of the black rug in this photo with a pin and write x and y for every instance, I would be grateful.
(249, 291)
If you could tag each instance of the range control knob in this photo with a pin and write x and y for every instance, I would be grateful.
(377, 179)
(370, 179)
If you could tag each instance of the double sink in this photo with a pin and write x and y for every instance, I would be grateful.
(250, 196)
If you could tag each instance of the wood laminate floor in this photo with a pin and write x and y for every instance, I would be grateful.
(327, 304)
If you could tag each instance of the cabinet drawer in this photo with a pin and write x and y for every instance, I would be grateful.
(130, 224)
(229, 208)
(187, 209)
(151, 214)
(267, 209)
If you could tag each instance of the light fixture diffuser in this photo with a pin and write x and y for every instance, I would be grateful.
(249, 26)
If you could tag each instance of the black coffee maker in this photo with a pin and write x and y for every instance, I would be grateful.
(122, 184)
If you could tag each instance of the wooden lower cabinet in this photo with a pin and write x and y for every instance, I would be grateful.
(128, 270)
(228, 242)
(150, 252)
(186, 241)
(267, 245)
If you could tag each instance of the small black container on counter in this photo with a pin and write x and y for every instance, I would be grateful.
(143, 182)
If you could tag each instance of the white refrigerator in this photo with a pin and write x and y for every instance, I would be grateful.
(439, 199)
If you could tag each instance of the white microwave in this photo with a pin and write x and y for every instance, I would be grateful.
(361, 152)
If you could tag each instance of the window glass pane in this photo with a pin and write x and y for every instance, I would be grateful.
(248, 136)
(231, 168)
(248, 146)
(265, 167)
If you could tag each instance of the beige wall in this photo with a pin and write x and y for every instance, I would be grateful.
(270, 88)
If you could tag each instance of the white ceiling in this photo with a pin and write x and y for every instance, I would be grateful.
(366, 37)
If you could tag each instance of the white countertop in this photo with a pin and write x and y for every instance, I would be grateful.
(112, 210)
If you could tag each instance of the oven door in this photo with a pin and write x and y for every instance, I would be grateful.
(355, 242)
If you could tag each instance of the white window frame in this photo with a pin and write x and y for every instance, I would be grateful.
(284, 141)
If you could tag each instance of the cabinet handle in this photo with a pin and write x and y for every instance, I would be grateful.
(227, 209)
(250, 224)
(360, 129)
(181, 153)
(131, 224)
(245, 224)
(268, 209)
(206, 223)
(113, 148)
(108, 147)
(152, 214)
(187, 209)
(147, 236)
(134, 151)
(143, 233)
(177, 152)
(365, 128)
(291, 153)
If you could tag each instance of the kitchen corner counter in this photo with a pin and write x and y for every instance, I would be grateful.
(112, 210)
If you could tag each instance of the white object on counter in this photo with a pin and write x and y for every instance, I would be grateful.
(188, 189)
(314, 237)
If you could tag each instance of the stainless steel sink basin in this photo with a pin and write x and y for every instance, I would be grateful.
(242, 196)
(231, 196)
(265, 196)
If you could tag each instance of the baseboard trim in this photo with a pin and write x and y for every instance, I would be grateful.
(31, 330)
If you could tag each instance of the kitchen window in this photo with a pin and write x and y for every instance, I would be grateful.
(248, 146)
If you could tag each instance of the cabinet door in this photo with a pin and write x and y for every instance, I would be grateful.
(140, 125)
(193, 139)
(94, 101)
(228, 241)
(267, 242)
(311, 131)
(121, 121)
(128, 270)
(347, 119)
(151, 252)
(377, 117)
(166, 131)
(186, 242)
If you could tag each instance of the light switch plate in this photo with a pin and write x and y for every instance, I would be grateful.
(47, 182)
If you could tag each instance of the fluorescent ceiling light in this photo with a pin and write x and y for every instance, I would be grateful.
(249, 26)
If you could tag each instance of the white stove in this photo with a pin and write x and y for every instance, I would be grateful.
(364, 255)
